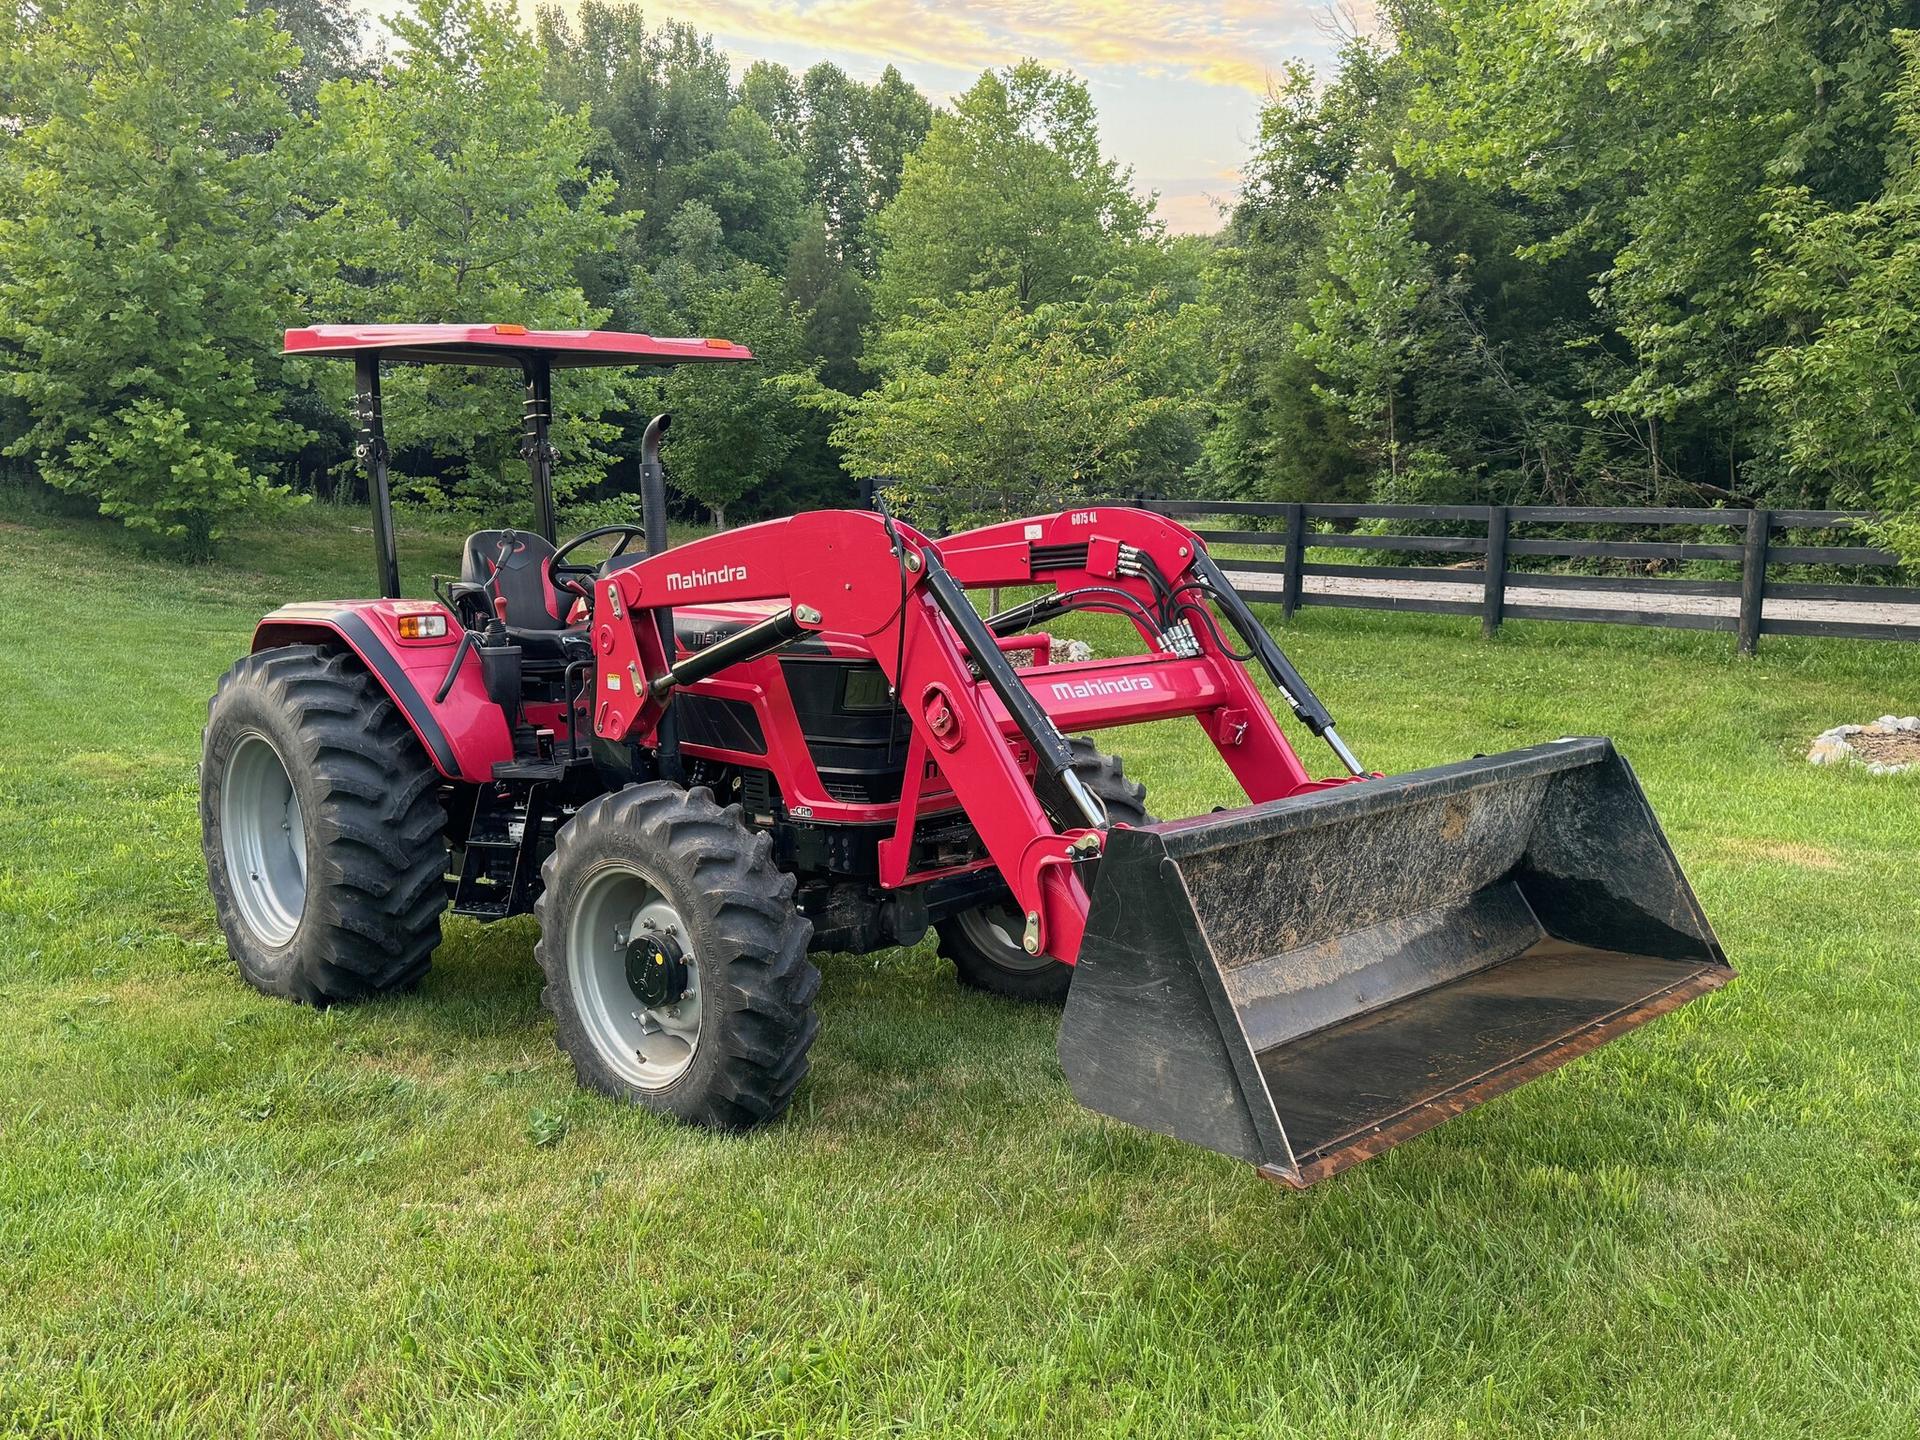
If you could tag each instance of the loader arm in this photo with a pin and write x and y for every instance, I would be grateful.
(839, 570)
(971, 711)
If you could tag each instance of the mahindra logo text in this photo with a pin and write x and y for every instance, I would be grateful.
(1094, 689)
(719, 575)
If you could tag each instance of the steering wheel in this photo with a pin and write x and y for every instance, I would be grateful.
(575, 579)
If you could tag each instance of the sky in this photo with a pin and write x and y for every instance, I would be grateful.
(1178, 85)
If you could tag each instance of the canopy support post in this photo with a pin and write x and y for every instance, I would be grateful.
(372, 452)
(535, 448)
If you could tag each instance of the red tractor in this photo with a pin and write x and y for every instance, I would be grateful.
(694, 765)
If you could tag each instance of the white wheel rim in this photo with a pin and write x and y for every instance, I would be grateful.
(648, 1046)
(264, 836)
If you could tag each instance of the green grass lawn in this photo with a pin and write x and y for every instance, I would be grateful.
(220, 1214)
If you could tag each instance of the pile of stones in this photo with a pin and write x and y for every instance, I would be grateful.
(1886, 747)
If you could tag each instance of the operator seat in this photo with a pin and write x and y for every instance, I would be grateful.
(513, 564)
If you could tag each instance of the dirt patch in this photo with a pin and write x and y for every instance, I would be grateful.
(1902, 747)
(1785, 852)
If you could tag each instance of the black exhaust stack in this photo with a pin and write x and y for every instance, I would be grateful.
(653, 515)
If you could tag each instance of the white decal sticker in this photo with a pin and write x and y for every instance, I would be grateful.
(1034, 532)
(613, 682)
(718, 575)
(1094, 689)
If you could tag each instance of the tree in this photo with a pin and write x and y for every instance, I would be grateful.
(734, 425)
(1008, 191)
(835, 170)
(1363, 325)
(1649, 137)
(328, 34)
(894, 120)
(770, 90)
(1275, 435)
(148, 255)
(981, 396)
(1847, 284)
(457, 191)
(670, 129)
(833, 298)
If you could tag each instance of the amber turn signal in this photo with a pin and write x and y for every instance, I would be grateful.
(422, 627)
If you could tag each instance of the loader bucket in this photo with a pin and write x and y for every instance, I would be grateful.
(1308, 982)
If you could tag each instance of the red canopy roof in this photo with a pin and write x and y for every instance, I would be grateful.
(506, 345)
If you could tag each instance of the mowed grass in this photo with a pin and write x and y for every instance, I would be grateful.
(221, 1215)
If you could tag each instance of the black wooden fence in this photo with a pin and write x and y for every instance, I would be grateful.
(1751, 544)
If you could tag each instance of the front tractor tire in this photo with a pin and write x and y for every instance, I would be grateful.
(324, 834)
(675, 961)
(984, 943)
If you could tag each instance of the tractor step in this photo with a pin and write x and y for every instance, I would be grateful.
(497, 867)
(544, 772)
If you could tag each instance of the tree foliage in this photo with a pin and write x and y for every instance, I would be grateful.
(734, 425)
(1009, 191)
(981, 397)
(1845, 383)
(454, 190)
(1571, 251)
(1033, 334)
(147, 255)
(1530, 243)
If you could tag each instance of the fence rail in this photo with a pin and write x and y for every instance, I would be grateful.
(1854, 611)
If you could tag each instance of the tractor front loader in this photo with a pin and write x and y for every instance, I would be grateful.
(697, 764)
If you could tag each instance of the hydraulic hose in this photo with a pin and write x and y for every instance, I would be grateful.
(1035, 725)
(1293, 688)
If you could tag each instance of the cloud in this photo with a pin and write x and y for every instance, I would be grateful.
(1193, 212)
(1235, 44)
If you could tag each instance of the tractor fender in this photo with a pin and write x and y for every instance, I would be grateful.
(464, 735)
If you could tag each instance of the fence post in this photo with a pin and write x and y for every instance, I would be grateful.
(1753, 579)
(1494, 603)
(1295, 553)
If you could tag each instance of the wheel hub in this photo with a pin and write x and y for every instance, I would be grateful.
(656, 968)
(635, 976)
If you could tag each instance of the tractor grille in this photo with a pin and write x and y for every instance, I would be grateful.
(855, 735)
(857, 789)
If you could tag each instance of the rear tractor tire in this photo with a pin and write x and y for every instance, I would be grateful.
(324, 834)
(984, 944)
(675, 962)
